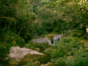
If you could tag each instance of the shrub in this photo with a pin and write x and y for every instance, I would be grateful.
(69, 47)
(8, 40)
(60, 62)
(75, 33)
(66, 46)
(79, 59)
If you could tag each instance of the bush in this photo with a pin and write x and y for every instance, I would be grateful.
(69, 47)
(75, 33)
(66, 46)
(8, 40)
(80, 59)
(60, 62)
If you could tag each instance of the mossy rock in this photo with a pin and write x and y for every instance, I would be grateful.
(21, 56)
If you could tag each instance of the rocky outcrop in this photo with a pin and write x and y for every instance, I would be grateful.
(42, 40)
(56, 38)
(18, 54)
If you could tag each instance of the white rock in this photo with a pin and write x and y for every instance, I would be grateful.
(16, 53)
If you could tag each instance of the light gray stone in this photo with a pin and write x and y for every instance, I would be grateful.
(16, 53)
(42, 40)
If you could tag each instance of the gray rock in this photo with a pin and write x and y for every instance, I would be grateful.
(42, 40)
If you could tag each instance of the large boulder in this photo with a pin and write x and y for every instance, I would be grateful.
(41, 40)
(18, 54)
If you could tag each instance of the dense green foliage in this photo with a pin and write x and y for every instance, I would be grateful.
(22, 20)
(16, 17)
(27, 18)
(80, 59)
